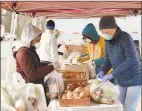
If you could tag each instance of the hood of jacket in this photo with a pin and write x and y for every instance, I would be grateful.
(91, 32)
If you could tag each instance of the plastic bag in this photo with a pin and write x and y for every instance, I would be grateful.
(55, 83)
(65, 53)
(73, 57)
(13, 96)
(92, 71)
(5, 107)
(6, 97)
(36, 92)
(106, 93)
(17, 79)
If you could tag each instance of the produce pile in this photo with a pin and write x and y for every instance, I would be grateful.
(77, 93)
(98, 92)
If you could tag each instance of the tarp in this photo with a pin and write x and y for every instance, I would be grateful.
(68, 9)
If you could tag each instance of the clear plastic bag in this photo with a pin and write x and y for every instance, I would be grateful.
(73, 57)
(17, 96)
(92, 71)
(104, 92)
(13, 96)
(36, 92)
(55, 83)
(5, 107)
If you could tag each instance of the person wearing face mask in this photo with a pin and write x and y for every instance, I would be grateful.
(95, 45)
(27, 61)
(122, 56)
(48, 50)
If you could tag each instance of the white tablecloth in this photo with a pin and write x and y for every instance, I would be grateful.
(54, 106)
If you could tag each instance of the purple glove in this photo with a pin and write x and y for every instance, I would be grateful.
(100, 75)
(107, 78)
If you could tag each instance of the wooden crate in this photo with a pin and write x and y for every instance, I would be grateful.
(80, 48)
(75, 71)
(74, 102)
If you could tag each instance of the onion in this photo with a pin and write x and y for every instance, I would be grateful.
(86, 93)
(87, 88)
(82, 95)
(76, 96)
(69, 87)
(64, 96)
(78, 90)
(69, 94)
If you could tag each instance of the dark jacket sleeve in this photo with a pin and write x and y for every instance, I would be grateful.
(28, 67)
(107, 65)
(131, 56)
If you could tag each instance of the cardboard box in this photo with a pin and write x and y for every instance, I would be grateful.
(80, 48)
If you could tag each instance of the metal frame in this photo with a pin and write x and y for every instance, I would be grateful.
(12, 33)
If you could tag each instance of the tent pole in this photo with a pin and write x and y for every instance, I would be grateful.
(12, 33)
(35, 21)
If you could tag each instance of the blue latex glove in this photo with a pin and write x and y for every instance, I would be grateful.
(100, 75)
(107, 78)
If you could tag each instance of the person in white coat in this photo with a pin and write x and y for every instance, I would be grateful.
(48, 50)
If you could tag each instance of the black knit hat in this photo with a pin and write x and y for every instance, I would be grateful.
(107, 22)
(50, 24)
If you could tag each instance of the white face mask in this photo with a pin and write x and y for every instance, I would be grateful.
(37, 45)
(50, 31)
(107, 36)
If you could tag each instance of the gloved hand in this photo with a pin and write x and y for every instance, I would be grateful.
(56, 65)
(100, 75)
(107, 78)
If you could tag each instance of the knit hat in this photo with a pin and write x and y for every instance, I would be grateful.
(50, 24)
(107, 22)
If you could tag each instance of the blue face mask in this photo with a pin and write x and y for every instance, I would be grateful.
(107, 36)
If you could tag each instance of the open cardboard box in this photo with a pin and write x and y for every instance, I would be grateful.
(80, 48)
